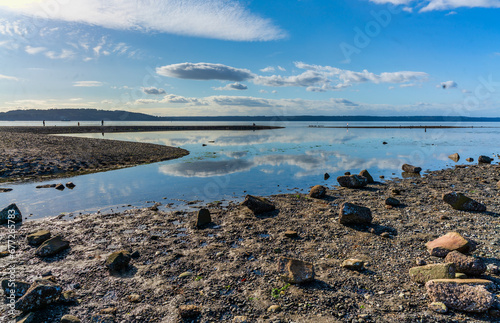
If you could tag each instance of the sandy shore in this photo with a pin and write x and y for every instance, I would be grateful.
(229, 270)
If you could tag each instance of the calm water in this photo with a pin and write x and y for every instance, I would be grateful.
(234, 163)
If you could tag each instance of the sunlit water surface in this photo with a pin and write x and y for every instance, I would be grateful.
(236, 163)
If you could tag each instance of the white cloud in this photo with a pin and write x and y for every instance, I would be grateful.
(9, 78)
(395, 2)
(153, 90)
(204, 71)
(218, 19)
(65, 54)
(431, 5)
(268, 69)
(451, 13)
(88, 83)
(448, 85)
(34, 50)
(232, 87)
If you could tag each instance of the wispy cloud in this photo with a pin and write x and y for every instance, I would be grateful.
(219, 19)
(448, 85)
(88, 83)
(9, 78)
(431, 5)
(205, 71)
(153, 90)
(64, 54)
(232, 87)
(34, 50)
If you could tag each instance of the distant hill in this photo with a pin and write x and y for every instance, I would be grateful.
(97, 115)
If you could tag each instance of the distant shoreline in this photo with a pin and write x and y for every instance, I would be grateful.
(397, 127)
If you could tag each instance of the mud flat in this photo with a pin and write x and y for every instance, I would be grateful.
(228, 270)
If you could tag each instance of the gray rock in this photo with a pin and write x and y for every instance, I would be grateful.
(460, 202)
(455, 157)
(295, 271)
(438, 307)
(353, 264)
(46, 186)
(411, 169)
(367, 175)
(317, 192)
(16, 287)
(460, 296)
(466, 264)
(392, 201)
(354, 214)
(258, 205)
(39, 237)
(484, 160)
(52, 246)
(118, 260)
(40, 294)
(352, 181)
(493, 269)
(70, 319)
(189, 311)
(12, 213)
(203, 218)
(423, 274)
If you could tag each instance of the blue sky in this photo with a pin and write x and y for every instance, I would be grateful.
(225, 57)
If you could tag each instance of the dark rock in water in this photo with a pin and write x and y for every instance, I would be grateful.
(455, 157)
(12, 213)
(40, 294)
(470, 159)
(460, 296)
(410, 175)
(392, 201)
(326, 176)
(16, 287)
(5, 190)
(52, 247)
(384, 143)
(189, 311)
(451, 241)
(46, 186)
(484, 160)
(317, 192)
(367, 175)
(458, 201)
(37, 238)
(354, 214)
(347, 173)
(295, 271)
(118, 260)
(203, 218)
(204, 145)
(59, 187)
(411, 169)
(70, 185)
(352, 181)
(466, 264)
(258, 205)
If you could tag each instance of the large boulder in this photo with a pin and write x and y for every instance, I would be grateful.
(460, 296)
(258, 205)
(460, 202)
(295, 271)
(317, 192)
(369, 177)
(422, 274)
(12, 213)
(451, 241)
(352, 181)
(40, 294)
(52, 246)
(118, 260)
(354, 214)
(411, 169)
(466, 264)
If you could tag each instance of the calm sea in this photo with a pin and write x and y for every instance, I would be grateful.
(236, 163)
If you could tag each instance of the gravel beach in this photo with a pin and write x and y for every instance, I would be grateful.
(229, 270)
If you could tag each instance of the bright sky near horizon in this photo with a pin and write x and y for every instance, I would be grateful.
(227, 57)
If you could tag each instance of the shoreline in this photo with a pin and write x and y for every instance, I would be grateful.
(229, 268)
(32, 154)
(399, 127)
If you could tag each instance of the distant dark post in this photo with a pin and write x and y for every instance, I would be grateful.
(43, 123)
(102, 122)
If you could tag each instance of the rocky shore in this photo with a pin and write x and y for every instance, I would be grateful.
(368, 254)
(28, 156)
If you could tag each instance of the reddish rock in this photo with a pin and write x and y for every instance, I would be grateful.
(451, 241)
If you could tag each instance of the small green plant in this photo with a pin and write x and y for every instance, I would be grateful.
(198, 278)
(276, 292)
(228, 287)
(362, 307)
(251, 298)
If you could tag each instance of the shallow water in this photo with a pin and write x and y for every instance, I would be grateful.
(236, 163)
